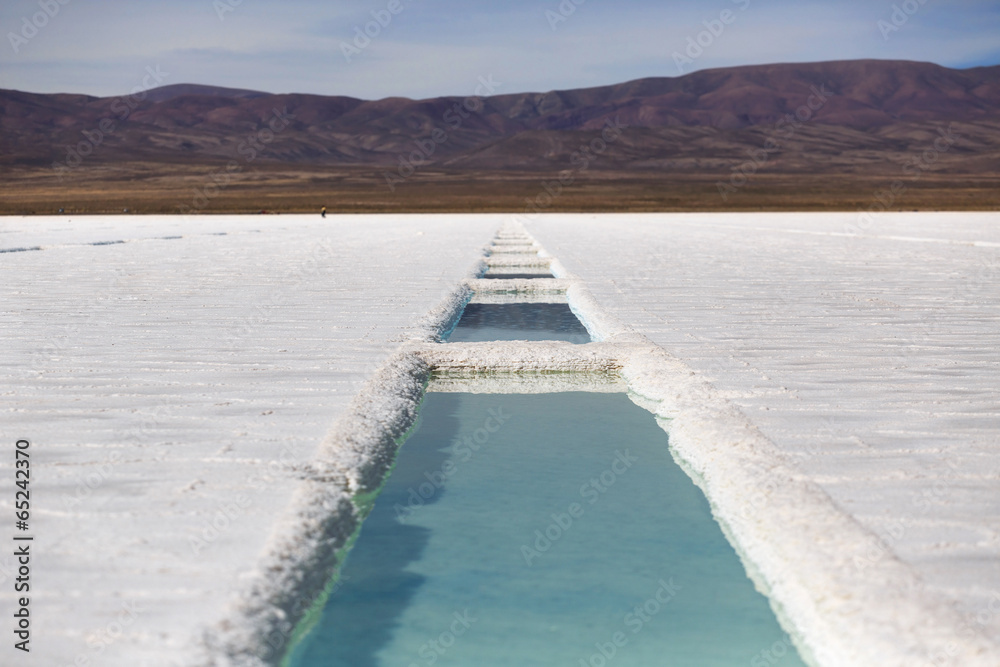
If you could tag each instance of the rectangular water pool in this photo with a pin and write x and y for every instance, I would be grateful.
(541, 530)
(517, 276)
(518, 321)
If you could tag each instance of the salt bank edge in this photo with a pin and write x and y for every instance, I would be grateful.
(799, 548)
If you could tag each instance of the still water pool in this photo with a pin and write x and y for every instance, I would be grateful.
(518, 321)
(555, 529)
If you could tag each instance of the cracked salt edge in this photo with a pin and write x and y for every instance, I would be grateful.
(523, 249)
(291, 582)
(517, 295)
(298, 570)
(525, 383)
(797, 546)
(514, 261)
(356, 458)
(795, 543)
(523, 286)
(296, 576)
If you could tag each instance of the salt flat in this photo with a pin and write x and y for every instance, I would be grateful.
(869, 352)
(168, 384)
(171, 389)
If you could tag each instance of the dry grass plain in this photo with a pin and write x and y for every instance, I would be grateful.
(162, 189)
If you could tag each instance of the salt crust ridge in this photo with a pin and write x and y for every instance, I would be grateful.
(797, 545)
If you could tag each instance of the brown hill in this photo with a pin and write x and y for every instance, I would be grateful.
(861, 111)
(164, 93)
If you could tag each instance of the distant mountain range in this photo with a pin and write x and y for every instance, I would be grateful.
(849, 112)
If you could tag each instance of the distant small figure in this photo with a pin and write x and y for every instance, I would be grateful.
(62, 210)
(323, 212)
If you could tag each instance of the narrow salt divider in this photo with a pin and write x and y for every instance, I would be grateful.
(537, 519)
(513, 316)
(549, 529)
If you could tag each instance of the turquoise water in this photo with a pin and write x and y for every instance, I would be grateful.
(518, 321)
(489, 275)
(523, 530)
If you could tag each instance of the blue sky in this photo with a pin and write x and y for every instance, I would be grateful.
(443, 47)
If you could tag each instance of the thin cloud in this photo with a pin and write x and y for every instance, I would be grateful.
(441, 47)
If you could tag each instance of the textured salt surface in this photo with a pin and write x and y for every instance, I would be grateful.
(175, 391)
(835, 395)
(870, 363)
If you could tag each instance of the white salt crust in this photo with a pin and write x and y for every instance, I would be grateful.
(799, 546)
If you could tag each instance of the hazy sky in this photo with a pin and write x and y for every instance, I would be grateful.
(442, 47)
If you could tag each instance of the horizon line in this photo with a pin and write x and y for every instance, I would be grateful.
(525, 92)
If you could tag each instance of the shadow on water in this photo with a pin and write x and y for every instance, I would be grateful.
(376, 583)
(567, 525)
